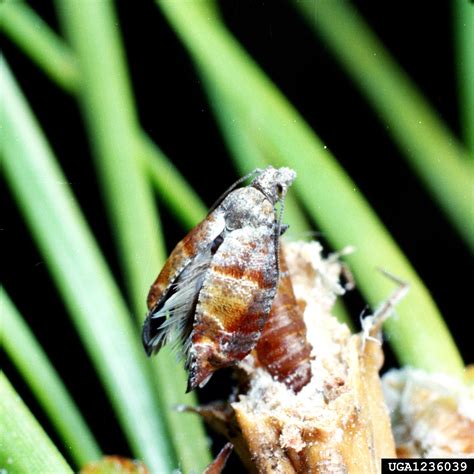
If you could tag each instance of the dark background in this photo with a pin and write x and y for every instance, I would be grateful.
(174, 111)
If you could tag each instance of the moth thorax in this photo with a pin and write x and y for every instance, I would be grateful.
(274, 182)
(248, 207)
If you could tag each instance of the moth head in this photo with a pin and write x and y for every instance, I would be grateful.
(274, 182)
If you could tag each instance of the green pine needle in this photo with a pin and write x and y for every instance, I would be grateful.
(33, 364)
(24, 446)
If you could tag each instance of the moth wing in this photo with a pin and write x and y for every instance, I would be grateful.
(197, 240)
(234, 301)
(173, 295)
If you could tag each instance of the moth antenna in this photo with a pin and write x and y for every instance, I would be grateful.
(229, 190)
(278, 231)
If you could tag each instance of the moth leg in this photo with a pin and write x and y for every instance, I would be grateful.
(371, 325)
(346, 274)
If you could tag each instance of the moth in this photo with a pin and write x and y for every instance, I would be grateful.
(216, 289)
(282, 348)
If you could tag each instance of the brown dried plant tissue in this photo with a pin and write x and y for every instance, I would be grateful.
(338, 422)
(341, 421)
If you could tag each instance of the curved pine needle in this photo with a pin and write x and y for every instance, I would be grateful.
(83, 279)
(33, 364)
(433, 152)
(51, 54)
(25, 447)
(111, 118)
(463, 26)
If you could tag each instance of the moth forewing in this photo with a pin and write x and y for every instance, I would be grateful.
(234, 302)
(196, 241)
(171, 296)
